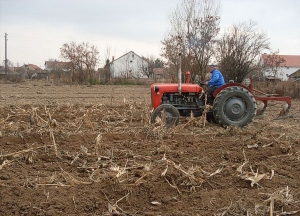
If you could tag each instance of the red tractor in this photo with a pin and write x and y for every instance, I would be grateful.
(233, 104)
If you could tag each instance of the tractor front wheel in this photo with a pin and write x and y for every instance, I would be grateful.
(166, 114)
(234, 106)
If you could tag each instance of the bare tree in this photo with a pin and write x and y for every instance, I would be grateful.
(9, 63)
(107, 75)
(83, 58)
(194, 27)
(71, 52)
(144, 69)
(90, 59)
(152, 64)
(52, 59)
(272, 63)
(239, 50)
(148, 71)
(158, 63)
(107, 53)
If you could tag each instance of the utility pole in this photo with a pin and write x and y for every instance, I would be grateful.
(6, 68)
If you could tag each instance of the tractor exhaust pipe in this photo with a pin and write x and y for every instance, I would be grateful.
(179, 75)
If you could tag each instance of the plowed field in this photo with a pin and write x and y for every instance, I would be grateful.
(79, 150)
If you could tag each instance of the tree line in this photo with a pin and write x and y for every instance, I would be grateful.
(195, 34)
(84, 58)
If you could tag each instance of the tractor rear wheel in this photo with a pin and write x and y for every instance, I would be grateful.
(168, 112)
(234, 106)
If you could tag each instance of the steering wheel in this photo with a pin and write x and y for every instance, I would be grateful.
(201, 83)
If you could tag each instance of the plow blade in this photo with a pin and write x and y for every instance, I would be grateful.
(262, 107)
(283, 114)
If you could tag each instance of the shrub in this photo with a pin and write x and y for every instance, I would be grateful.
(282, 88)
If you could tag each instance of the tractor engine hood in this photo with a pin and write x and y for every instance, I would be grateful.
(173, 88)
(159, 89)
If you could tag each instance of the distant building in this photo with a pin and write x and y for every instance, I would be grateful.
(57, 65)
(31, 67)
(285, 69)
(158, 72)
(129, 65)
(295, 75)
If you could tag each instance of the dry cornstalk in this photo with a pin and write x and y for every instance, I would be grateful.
(112, 96)
(83, 119)
(225, 212)
(271, 206)
(112, 209)
(283, 196)
(137, 182)
(35, 118)
(277, 139)
(145, 113)
(69, 177)
(55, 185)
(118, 170)
(96, 171)
(202, 121)
(252, 176)
(174, 186)
(15, 154)
(6, 162)
(53, 141)
(75, 158)
(3, 121)
(22, 110)
(98, 144)
(191, 121)
(116, 112)
(51, 124)
(178, 167)
(131, 111)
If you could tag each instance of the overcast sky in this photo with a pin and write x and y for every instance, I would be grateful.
(37, 28)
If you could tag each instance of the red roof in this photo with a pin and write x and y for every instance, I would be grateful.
(57, 65)
(34, 67)
(290, 60)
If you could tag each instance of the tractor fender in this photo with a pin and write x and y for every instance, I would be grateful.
(216, 92)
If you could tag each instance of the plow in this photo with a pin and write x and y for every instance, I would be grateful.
(233, 103)
(264, 98)
(261, 96)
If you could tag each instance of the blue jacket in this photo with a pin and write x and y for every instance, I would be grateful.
(216, 79)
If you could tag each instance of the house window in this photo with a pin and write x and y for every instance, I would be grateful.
(287, 67)
(131, 61)
(132, 55)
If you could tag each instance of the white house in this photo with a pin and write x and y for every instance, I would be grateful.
(295, 76)
(290, 66)
(129, 65)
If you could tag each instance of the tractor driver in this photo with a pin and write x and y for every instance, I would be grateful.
(216, 80)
